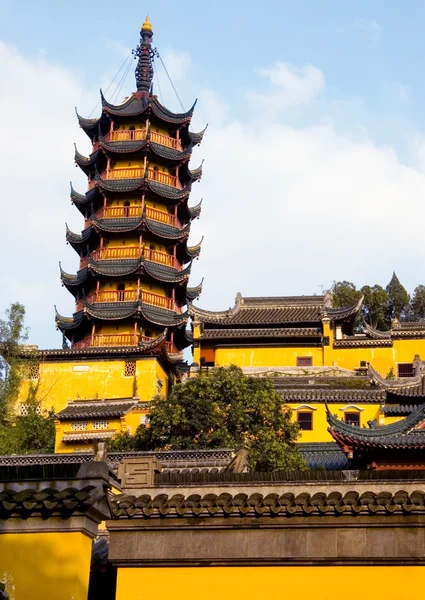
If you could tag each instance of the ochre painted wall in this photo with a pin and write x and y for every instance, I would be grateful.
(382, 359)
(45, 566)
(273, 583)
(265, 356)
(320, 433)
(61, 382)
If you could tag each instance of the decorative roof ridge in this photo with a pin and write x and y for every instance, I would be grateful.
(120, 312)
(193, 292)
(195, 250)
(72, 237)
(394, 384)
(403, 426)
(87, 123)
(274, 301)
(198, 136)
(78, 198)
(180, 233)
(196, 312)
(185, 115)
(344, 311)
(400, 325)
(376, 333)
(195, 211)
(108, 105)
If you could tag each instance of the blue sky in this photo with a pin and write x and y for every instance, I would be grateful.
(326, 96)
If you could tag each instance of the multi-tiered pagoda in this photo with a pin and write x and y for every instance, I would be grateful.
(131, 288)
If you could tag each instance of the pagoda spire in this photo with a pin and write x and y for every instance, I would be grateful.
(144, 69)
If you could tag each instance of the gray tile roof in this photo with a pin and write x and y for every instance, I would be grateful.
(97, 409)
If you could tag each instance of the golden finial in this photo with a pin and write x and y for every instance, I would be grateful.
(147, 26)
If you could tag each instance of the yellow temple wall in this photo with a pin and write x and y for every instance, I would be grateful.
(273, 583)
(265, 356)
(383, 359)
(61, 382)
(320, 433)
(45, 566)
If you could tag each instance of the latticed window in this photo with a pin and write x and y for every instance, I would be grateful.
(352, 418)
(304, 361)
(129, 368)
(305, 420)
(159, 385)
(33, 371)
(100, 424)
(79, 426)
(405, 370)
(24, 409)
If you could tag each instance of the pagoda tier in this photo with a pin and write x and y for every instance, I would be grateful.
(131, 288)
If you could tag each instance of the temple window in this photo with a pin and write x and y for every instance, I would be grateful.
(25, 408)
(305, 420)
(79, 426)
(100, 424)
(129, 368)
(304, 361)
(131, 128)
(352, 418)
(405, 370)
(33, 371)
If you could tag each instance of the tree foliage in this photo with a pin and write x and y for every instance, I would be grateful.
(417, 304)
(381, 306)
(36, 431)
(398, 300)
(225, 409)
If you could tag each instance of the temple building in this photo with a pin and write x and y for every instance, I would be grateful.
(126, 336)
(302, 332)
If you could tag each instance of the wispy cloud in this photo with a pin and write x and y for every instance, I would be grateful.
(292, 86)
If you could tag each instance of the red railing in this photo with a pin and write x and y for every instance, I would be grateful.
(130, 296)
(129, 252)
(163, 217)
(124, 173)
(138, 173)
(123, 339)
(119, 212)
(125, 212)
(164, 178)
(125, 135)
(129, 135)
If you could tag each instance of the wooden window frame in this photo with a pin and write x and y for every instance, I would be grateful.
(350, 413)
(407, 367)
(306, 412)
(308, 361)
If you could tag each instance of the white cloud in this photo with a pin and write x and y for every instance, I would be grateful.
(293, 86)
(286, 209)
(118, 47)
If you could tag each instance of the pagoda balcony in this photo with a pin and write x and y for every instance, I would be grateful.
(132, 252)
(128, 212)
(139, 173)
(131, 296)
(132, 135)
(114, 340)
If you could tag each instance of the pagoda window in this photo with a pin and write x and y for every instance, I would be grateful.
(152, 246)
(305, 420)
(121, 292)
(131, 128)
(352, 418)
(304, 361)
(405, 370)
(126, 208)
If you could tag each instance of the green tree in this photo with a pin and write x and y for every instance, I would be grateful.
(398, 300)
(417, 304)
(12, 334)
(374, 307)
(344, 293)
(224, 409)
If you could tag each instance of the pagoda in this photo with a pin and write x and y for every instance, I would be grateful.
(131, 288)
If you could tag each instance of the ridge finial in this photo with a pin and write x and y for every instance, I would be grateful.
(147, 25)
